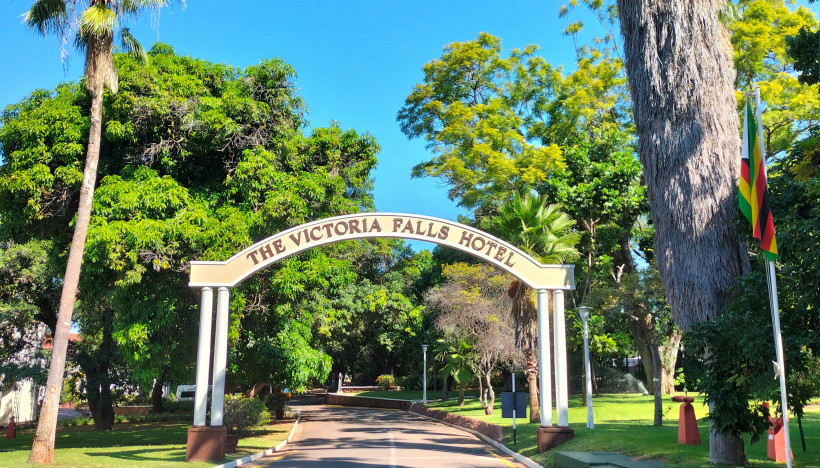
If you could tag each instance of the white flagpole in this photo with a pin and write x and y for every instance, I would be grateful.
(775, 308)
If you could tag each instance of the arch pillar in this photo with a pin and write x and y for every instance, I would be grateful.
(544, 371)
(207, 442)
(220, 356)
(561, 371)
(547, 436)
(203, 356)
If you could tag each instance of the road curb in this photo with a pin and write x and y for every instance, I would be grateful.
(517, 456)
(265, 453)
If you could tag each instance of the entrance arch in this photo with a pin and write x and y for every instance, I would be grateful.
(207, 441)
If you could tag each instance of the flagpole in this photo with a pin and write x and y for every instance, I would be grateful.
(775, 309)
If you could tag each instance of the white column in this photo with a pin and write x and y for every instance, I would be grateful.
(220, 356)
(203, 356)
(560, 342)
(544, 371)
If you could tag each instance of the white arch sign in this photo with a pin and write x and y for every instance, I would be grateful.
(207, 442)
(458, 236)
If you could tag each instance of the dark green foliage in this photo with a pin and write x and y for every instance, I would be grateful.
(242, 413)
(803, 49)
(738, 353)
(198, 160)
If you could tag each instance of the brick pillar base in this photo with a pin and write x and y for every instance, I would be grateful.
(206, 443)
(551, 437)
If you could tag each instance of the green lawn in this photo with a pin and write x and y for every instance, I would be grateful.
(160, 444)
(623, 423)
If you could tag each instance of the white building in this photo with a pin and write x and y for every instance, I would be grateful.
(20, 403)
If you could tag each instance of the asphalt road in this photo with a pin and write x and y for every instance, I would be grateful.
(356, 437)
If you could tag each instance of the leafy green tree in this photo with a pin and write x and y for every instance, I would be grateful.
(545, 233)
(199, 161)
(640, 297)
(479, 113)
(96, 25)
(761, 32)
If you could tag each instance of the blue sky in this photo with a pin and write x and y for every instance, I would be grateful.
(356, 60)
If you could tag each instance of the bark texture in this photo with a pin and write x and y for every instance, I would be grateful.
(525, 314)
(681, 77)
(42, 449)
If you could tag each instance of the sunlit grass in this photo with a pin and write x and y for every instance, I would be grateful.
(623, 424)
(134, 444)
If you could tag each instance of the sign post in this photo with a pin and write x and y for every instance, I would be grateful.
(511, 404)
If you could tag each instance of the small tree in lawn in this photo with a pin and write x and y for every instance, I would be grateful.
(458, 367)
(473, 306)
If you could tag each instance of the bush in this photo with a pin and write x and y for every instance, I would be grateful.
(184, 406)
(276, 403)
(242, 413)
(410, 382)
(385, 381)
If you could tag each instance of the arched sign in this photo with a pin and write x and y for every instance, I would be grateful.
(370, 225)
(207, 442)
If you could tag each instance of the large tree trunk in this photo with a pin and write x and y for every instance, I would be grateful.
(638, 327)
(42, 449)
(156, 397)
(669, 359)
(97, 369)
(656, 379)
(681, 76)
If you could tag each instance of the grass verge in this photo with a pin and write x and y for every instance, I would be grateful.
(623, 424)
(154, 444)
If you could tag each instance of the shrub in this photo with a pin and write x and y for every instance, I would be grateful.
(184, 406)
(242, 412)
(385, 381)
(276, 402)
(410, 382)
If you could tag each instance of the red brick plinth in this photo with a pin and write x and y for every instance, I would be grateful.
(550, 437)
(206, 443)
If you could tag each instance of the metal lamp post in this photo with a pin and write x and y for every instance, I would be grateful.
(424, 374)
(584, 312)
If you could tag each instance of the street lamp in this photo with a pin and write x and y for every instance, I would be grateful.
(424, 378)
(584, 312)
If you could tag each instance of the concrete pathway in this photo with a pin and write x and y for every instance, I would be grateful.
(358, 437)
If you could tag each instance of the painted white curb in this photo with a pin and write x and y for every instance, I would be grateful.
(517, 456)
(270, 451)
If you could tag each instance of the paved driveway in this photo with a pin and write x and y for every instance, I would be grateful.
(356, 437)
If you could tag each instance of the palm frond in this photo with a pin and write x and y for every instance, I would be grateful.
(47, 17)
(98, 20)
(134, 7)
(131, 46)
(542, 231)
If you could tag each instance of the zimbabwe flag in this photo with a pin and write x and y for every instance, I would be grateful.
(754, 192)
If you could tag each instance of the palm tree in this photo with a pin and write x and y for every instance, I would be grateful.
(679, 65)
(96, 23)
(544, 232)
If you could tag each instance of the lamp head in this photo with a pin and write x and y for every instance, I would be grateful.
(584, 311)
(424, 347)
